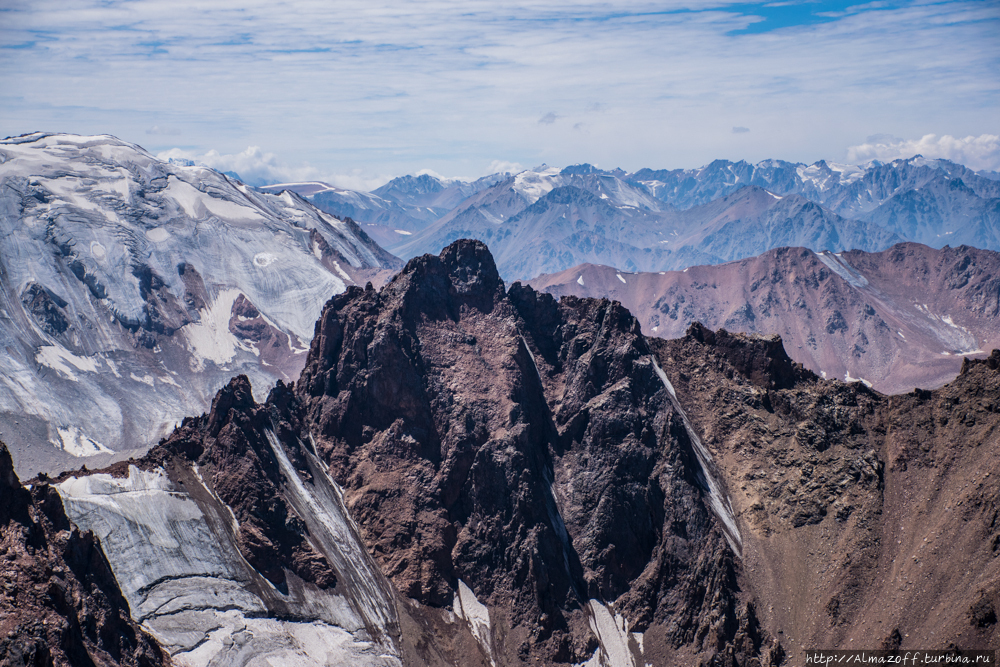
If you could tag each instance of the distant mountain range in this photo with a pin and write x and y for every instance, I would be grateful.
(547, 220)
(896, 319)
(131, 289)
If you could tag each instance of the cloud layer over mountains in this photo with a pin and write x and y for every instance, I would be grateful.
(454, 85)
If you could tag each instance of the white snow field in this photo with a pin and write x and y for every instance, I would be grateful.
(119, 274)
(177, 563)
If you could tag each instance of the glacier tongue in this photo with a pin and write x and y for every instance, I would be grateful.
(468, 608)
(172, 548)
(617, 646)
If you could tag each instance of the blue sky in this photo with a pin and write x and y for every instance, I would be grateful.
(358, 92)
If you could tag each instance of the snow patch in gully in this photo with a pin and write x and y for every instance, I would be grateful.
(720, 504)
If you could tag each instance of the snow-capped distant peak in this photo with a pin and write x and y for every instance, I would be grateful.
(304, 189)
(533, 185)
(921, 161)
(848, 172)
(546, 170)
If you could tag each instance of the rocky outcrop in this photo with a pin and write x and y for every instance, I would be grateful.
(868, 521)
(59, 603)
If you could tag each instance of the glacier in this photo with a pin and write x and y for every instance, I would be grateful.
(131, 289)
(172, 546)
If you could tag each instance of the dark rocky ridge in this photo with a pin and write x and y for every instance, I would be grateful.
(528, 449)
(523, 446)
(59, 602)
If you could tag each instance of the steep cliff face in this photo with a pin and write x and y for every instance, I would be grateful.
(59, 603)
(529, 450)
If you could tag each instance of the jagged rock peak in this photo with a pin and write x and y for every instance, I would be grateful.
(761, 359)
(8, 478)
(238, 395)
(15, 497)
(470, 270)
(992, 362)
(429, 288)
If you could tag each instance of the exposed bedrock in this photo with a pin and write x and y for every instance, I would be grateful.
(473, 474)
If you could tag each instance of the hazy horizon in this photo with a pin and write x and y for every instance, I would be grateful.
(355, 93)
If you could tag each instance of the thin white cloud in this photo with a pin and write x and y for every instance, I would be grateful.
(389, 87)
(256, 167)
(982, 152)
(164, 131)
(504, 167)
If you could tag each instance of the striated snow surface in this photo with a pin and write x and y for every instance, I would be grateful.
(118, 276)
(176, 561)
(617, 646)
(836, 263)
(536, 183)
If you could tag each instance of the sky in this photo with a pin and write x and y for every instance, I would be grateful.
(355, 93)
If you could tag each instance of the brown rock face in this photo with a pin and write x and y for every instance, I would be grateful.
(868, 521)
(59, 602)
(527, 448)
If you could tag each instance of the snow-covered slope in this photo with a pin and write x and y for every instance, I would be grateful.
(132, 289)
(174, 551)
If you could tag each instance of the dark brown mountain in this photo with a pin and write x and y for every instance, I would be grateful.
(529, 449)
(470, 474)
(868, 521)
(59, 602)
(899, 319)
(508, 460)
